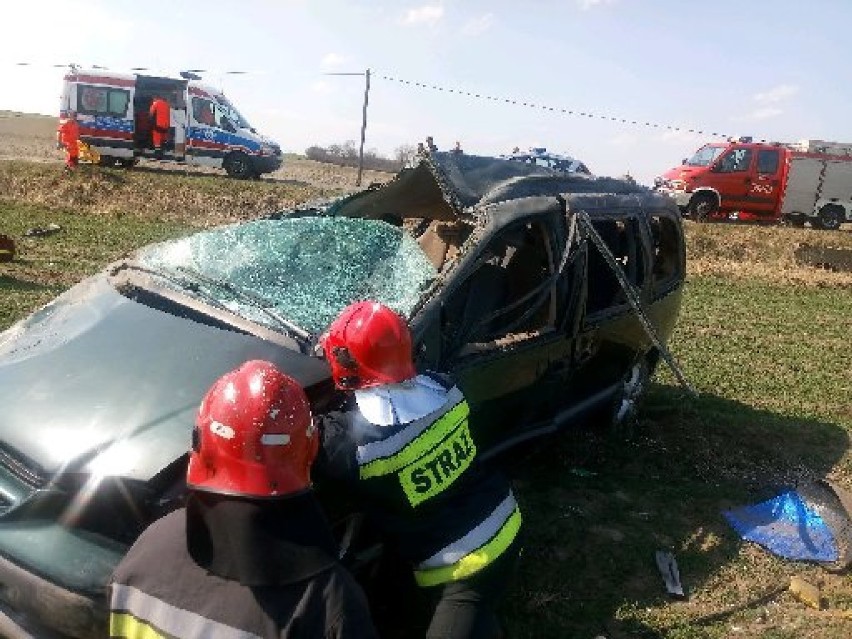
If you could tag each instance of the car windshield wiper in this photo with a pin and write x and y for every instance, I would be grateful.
(254, 300)
(189, 279)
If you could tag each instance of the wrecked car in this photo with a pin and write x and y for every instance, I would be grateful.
(549, 296)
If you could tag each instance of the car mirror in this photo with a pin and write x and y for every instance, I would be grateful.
(228, 126)
(683, 161)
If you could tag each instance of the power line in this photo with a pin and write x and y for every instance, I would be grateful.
(543, 107)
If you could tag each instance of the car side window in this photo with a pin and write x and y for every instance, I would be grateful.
(622, 236)
(667, 270)
(508, 297)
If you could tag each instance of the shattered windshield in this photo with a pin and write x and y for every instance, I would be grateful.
(305, 269)
(705, 156)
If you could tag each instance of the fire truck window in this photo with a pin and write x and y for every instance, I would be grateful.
(93, 100)
(767, 161)
(735, 160)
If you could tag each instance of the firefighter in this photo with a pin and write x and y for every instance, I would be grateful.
(68, 136)
(251, 554)
(403, 443)
(160, 113)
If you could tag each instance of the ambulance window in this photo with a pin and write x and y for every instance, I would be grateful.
(202, 111)
(767, 161)
(93, 100)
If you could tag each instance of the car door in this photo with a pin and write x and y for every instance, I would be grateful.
(611, 335)
(502, 324)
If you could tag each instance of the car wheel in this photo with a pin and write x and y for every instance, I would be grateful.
(831, 217)
(127, 163)
(703, 207)
(107, 160)
(626, 407)
(238, 166)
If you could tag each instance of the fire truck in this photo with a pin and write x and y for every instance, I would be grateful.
(808, 181)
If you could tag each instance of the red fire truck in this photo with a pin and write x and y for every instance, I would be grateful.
(810, 181)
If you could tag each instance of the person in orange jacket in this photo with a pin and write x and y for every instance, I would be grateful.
(160, 112)
(68, 136)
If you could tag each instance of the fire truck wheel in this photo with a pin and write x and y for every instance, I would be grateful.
(702, 207)
(238, 165)
(831, 217)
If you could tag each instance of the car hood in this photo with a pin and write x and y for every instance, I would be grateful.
(97, 383)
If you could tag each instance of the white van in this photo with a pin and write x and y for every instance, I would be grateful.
(206, 129)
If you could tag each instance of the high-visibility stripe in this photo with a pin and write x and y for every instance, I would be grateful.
(391, 445)
(138, 614)
(122, 624)
(476, 560)
(478, 536)
(420, 446)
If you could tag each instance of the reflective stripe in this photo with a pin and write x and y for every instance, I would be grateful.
(478, 536)
(436, 471)
(476, 560)
(386, 447)
(137, 615)
(123, 624)
(399, 456)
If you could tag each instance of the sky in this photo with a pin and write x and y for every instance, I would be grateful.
(775, 70)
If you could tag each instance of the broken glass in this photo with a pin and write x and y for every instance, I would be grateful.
(305, 270)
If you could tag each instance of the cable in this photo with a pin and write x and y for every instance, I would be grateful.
(543, 107)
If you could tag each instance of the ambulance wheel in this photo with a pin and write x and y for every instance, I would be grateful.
(127, 163)
(831, 217)
(107, 160)
(238, 166)
(703, 207)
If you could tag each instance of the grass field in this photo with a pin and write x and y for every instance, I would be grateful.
(764, 338)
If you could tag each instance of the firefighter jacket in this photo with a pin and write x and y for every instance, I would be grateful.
(232, 568)
(421, 482)
(69, 134)
(160, 112)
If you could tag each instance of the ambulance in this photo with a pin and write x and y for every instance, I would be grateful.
(206, 129)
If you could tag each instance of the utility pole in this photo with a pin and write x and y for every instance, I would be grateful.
(366, 75)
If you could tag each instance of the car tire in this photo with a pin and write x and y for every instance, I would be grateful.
(625, 410)
(702, 207)
(831, 217)
(238, 166)
(127, 163)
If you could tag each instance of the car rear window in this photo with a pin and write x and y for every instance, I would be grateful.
(306, 268)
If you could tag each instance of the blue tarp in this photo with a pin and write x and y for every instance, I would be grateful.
(786, 526)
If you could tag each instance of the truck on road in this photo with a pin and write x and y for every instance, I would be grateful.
(205, 127)
(810, 181)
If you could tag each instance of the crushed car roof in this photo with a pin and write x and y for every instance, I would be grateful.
(444, 186)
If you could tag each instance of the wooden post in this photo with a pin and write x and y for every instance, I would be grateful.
(363, 128)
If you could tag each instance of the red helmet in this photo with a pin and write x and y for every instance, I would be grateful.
(254, 435)
(368, 345)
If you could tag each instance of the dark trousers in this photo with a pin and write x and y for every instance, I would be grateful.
(467, 609)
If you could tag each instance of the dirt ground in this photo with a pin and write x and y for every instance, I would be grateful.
(33, 137)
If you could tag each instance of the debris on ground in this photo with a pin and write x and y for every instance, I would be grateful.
(806, 592)
(41, 231)
(671, 575)
(7, 248)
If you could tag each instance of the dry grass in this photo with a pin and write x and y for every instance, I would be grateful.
(768, 253)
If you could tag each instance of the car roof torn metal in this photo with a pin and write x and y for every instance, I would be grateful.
(446, 186)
